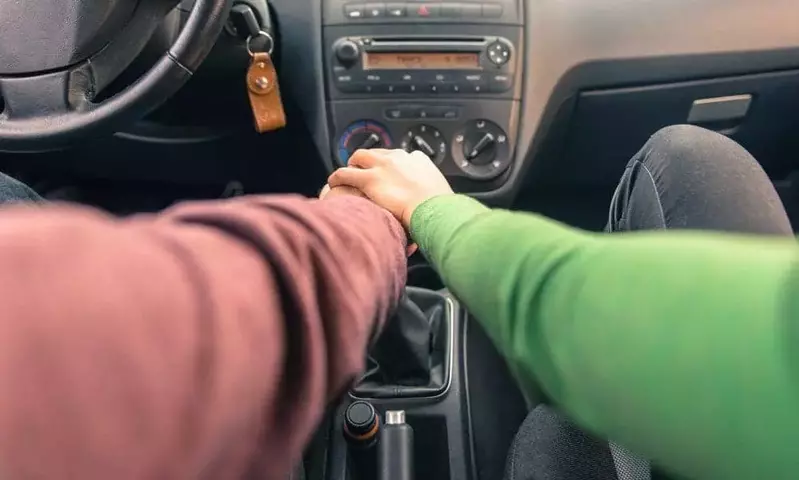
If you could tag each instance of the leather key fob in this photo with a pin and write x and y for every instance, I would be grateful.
(264, 93)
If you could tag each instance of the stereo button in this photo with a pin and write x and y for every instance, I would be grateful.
(349, 83)
(475, 83)
(450, 113)
(374, 10)
(396, 10)
(353, 11)
(445, 113)
(500, 83)
(393, 113)
(406, 88)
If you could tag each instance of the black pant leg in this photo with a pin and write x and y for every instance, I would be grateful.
(686, 177)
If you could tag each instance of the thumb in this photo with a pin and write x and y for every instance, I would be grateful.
(351, 177)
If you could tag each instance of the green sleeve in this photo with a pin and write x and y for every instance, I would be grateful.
(680, 346)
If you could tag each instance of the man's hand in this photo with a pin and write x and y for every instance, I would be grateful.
(342, 190)
(394, 179)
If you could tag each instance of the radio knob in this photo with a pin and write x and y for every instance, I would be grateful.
(347, 52)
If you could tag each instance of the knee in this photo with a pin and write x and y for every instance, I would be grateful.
(688, 148)
(682, 140)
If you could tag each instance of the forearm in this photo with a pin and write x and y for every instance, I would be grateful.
(665, 343)
(200, 343)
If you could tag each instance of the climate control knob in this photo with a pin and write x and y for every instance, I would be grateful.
(425, 139)
(481, 150)
(362, 135)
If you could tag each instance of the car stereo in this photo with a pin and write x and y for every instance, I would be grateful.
(431, 64)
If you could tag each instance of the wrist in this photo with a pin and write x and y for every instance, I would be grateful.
(407, 214)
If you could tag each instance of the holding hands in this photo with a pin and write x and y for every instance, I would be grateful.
(394, 179)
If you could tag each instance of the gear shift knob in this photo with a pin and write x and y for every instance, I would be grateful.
(403, 349)
(412, 357)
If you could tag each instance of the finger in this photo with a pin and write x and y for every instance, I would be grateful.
(420, 155)
(324, 192)
(351, 177)
(345, 190)
(367, 158)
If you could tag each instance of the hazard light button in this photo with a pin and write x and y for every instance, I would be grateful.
(424, 10)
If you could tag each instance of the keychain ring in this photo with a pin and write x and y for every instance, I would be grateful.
(269, 40)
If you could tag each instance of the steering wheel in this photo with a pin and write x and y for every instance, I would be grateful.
(56, 56)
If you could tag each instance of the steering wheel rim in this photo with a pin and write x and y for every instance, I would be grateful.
(56, 109)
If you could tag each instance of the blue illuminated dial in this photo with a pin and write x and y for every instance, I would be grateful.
(363, 134)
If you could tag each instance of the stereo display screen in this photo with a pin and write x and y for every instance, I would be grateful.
(421, 61)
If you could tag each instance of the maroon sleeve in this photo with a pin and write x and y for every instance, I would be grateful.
(200, 343)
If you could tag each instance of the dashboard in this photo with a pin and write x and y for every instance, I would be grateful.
(407, 73)
(509, 97)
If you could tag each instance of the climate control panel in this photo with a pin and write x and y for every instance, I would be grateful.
(476, 149)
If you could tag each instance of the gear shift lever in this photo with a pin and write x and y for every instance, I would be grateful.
(412, 356)
(403, 350)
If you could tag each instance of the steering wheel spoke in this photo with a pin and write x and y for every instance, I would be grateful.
(47, 95)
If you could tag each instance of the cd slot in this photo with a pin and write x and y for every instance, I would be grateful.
(426, 44)
(428, 38)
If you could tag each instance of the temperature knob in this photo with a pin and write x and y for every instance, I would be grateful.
(481, 150)
(362, 135)
(427, 140)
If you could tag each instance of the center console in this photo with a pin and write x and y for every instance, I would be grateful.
(415, 367)
(443, 78)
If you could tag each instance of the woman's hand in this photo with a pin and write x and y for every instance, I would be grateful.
(394, 179)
